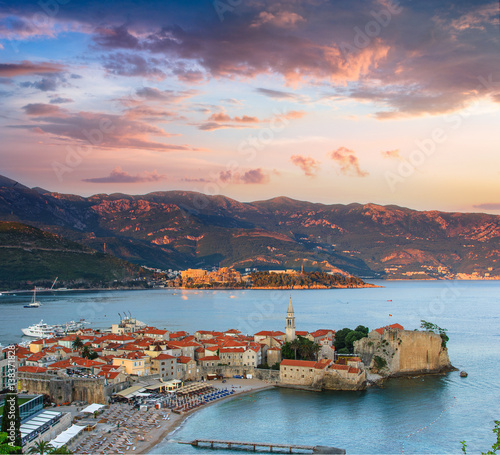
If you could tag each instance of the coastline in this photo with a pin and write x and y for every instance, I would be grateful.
(156, 437)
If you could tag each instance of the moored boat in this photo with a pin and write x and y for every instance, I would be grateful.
(40, 330)
(33, 303)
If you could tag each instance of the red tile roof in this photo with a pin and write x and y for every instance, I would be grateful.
(298, 363)
(321, 333)
(153, 331)
(27, 369)
(36, 357)
(339, 367)
(109, 374)
(392, 326)
(134, 356)
(269, 333)
(209, 357)
(43, 341)
(183, 359)
(163, 357)
(322, 364)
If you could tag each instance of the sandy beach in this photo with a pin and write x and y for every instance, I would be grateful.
(240, 387)
(152, 427)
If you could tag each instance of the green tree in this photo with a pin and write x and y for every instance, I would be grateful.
(5, 447)
(494, 448)
(363, 329)
(295, 345)
(340, 336)
(351, 337)
(430, 327)
(62, 449)
(306, 349)
(88, 353)
(41, 447)
(77, 344)
(11, 419)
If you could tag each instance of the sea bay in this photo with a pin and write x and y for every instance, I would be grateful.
(427, 414)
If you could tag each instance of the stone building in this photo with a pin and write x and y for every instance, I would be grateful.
(322, 375)
(273, 356)
(393, 351)
(164, 365)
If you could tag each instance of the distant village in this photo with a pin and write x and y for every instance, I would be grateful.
(215, 276)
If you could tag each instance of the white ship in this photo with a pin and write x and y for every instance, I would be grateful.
(70, 327)
(40, 330)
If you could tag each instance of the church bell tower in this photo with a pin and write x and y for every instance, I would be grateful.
(290, 322)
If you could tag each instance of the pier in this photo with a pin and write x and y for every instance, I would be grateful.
(254, 446)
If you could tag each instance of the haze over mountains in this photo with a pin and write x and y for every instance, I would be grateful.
(179, 229)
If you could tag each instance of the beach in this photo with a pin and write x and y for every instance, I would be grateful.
(153, 426)
(240, 387)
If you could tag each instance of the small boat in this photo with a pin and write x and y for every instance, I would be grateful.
(33, 303)
(70, 327)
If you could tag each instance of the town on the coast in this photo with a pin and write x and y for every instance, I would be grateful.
(121, 390)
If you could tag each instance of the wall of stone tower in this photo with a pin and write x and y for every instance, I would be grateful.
(403, 352)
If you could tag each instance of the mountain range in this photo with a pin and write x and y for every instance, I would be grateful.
(181, 229)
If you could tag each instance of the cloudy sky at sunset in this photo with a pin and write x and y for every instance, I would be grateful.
(329, 101)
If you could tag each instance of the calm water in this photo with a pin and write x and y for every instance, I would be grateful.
(446, 409)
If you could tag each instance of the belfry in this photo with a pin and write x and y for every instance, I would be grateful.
(290, 322)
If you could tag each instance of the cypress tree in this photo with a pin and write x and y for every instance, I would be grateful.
(11, 422)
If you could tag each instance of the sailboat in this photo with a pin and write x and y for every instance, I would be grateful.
(33, 303)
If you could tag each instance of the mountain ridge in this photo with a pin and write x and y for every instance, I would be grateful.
(180, 229)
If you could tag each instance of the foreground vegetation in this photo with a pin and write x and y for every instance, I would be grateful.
(304, 279)
(31, 256)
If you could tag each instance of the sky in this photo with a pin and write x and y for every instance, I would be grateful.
(339, 101)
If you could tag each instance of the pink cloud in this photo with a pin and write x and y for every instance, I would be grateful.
(282, 19)
(348, 162)
(391, 154)
(250, 177)
(117, 175)
(223, 117)
(99, 129)
(309, 165)
(27, 67)
(39, 109)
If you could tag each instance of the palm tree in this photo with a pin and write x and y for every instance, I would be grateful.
(86, 351)
(295, 344)
(62, 449)
(41, 447)
(77, 344)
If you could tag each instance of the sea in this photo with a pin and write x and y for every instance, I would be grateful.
(416, 415)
